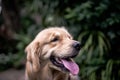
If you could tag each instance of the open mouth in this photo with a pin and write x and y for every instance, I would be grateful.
(66, 64)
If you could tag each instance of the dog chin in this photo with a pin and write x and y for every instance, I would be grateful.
(52, 66)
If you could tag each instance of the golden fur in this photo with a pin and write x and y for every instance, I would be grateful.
(51, 41)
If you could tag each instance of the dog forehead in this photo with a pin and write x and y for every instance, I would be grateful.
(53, 31)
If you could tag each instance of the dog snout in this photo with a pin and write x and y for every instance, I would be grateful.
(77, 45)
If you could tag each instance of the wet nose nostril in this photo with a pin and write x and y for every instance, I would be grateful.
(77, 45)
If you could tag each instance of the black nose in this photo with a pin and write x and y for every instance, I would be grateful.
(77, 45)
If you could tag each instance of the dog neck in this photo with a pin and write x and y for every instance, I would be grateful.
(53, 74)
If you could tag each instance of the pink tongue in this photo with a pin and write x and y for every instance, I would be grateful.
(71, 66)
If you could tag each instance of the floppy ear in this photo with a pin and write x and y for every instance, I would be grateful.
(33, 55)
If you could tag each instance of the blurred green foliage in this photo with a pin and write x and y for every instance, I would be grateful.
(95, 23)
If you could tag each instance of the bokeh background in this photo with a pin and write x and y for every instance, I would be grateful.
(95, 23)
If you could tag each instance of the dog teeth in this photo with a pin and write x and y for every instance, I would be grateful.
(58, 60)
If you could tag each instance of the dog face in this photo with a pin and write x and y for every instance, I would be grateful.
(56, 47)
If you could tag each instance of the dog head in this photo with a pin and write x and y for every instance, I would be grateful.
(56, 47)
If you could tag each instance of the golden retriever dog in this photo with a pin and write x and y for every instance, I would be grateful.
(49, 56)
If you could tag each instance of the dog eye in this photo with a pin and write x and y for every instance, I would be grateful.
(55, 39)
